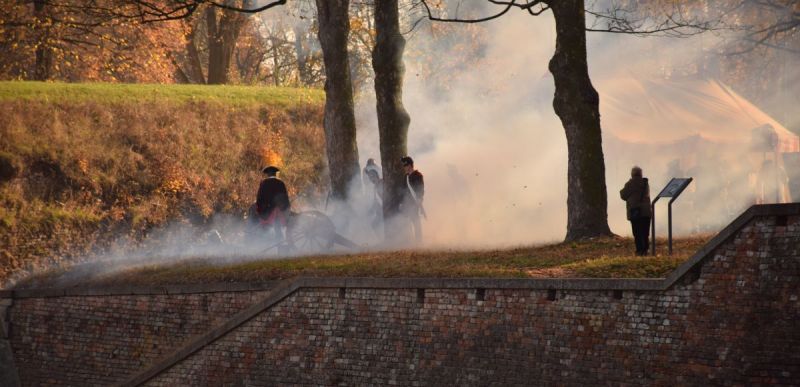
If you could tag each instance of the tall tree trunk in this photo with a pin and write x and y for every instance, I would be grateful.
(195, 67)
(230, 27)
(276, 71)
(217, 73)
(44, 53)
(393, 120)
(302, 55)
(339, 120)
(576, 103)
(222, 35)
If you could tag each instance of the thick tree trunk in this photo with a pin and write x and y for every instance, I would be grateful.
(576, 103)
(393, 120)
(44, 53)
(222, 35)
(217, 73)
(339, 120)
(195, 73)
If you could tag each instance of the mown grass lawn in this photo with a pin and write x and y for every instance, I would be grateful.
(603, 258)
(126, 92)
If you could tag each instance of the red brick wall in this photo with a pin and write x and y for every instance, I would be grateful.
(98, 340)
(738, 322)
(733, 319)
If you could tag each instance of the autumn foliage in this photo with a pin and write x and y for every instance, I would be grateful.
(88, 172)
(59, 40)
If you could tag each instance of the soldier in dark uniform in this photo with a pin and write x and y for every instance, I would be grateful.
(413, 193)
(272, 202)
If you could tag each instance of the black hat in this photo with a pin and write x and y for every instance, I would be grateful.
(271, 170)
(406, 160)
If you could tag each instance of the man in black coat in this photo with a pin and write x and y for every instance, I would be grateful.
(272, 201)
(413, 193)
(636, 195)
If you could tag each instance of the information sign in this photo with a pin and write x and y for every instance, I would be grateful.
(673, 189)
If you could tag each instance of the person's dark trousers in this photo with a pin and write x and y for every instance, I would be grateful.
(641, 234)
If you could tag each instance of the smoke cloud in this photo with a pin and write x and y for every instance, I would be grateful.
(494, 154)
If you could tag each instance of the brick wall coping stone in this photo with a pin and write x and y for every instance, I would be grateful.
(126, 290)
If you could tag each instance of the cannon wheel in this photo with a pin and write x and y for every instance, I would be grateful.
(311, 232)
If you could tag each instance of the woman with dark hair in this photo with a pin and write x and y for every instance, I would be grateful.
(636, 195)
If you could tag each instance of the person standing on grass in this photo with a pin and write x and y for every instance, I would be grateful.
(374, 187)
(272, 202)
(636, 194)
(413, 193)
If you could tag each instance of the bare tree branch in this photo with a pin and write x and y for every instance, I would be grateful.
(614, 19)
(782, 23)
(459, 20)
(249, 10)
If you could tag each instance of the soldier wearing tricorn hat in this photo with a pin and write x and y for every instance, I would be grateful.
(272, 201)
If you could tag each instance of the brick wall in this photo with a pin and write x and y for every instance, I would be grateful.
(728, 317)
(98, 340)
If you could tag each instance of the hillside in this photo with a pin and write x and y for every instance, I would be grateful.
(232, 96)
(82, 165)
(600, 258)
(87, 168)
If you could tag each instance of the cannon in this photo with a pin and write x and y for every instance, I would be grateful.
(307, 232)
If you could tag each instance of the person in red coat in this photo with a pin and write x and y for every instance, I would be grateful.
(272, 201)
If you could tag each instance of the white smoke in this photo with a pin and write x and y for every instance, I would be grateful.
(493, 152)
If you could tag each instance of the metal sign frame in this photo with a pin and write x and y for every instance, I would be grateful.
(672, 190)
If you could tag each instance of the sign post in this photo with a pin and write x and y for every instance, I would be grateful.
(672, 191)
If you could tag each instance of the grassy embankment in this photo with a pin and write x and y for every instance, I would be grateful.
(81, 164)
(92, 162)
(603, 258)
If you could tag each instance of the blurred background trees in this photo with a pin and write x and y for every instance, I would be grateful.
(44, 40)
(76, 41)
(754, 49)
(100, 40)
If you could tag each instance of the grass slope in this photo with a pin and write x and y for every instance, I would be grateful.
(96, 162)
(85, 164)
(602, 258)
(242, 96)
